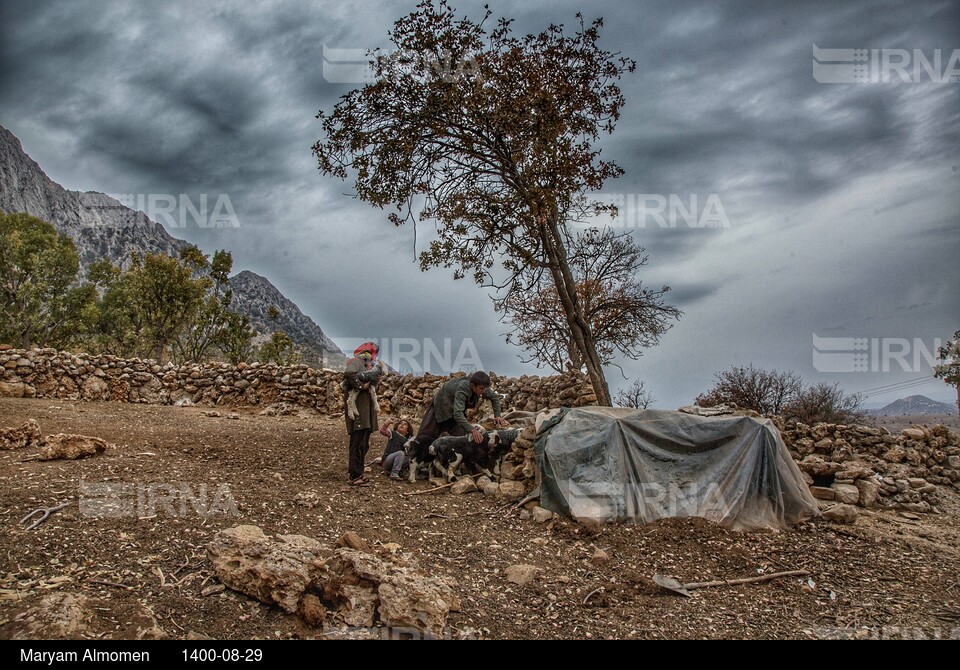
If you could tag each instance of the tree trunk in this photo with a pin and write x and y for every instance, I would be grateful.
(574, 357)
(26, 338)
(573, 310)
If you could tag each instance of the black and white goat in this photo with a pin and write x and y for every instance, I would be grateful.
(450, 452)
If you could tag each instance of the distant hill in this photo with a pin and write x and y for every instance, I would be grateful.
(102, 227)
(915, 405)
(253, 295)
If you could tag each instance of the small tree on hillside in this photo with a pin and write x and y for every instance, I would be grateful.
(763, 391)
(208, 329)
(39, 301)
(280, 348)
(145, 308)
(949, 370)
(825, 403)
(624, 316)
(635, 396)
(236, 339)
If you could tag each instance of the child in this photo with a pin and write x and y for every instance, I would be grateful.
(352, 393)
(394, 457)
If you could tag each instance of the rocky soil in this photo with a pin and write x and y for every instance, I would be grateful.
(130, 557)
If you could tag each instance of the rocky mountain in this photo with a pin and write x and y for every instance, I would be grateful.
(100, 226)
(253, 295)
(916, 405)
(103, 227)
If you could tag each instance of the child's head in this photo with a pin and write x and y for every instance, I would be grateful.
(404, 428)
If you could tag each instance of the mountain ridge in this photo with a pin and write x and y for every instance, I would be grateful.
(103, 227)
(919, 405)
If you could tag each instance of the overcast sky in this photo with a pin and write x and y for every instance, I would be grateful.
(839, 202)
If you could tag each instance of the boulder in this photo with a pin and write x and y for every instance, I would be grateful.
(274, 571)
(541, 515)
(896, 454)
(512, 471)
(304, 577)
(71, 447)
(463, 485)
(12, 389)
(521, 575)
(511, 491)
(823, 493)
(354, 541)
(94, 388)
(847, 493)
(841, 514)
(921, 507)
(816, 466)
(853, 471)
(65, 615)
(400, 594)
(869, 491)
(26, 435)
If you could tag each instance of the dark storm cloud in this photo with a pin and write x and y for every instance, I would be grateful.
(841, 199)
(687, 295)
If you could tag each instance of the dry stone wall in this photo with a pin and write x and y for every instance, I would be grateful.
(851, 464)
(870, 467)
(47, 373)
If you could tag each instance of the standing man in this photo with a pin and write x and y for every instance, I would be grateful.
(448, 410)
(359, 374)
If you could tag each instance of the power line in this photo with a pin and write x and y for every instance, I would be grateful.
(904, 387)
(894, 385)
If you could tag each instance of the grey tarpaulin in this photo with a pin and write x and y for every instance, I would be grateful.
(619, 464)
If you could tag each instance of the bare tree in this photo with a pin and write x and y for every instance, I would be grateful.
(825, 403)
(635, 396)
(624, 316)
(763, 391)
(491, 136)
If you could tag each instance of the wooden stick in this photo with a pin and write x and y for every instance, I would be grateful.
(591, 594)
(748, 580)
(114, 584)
(438, 488)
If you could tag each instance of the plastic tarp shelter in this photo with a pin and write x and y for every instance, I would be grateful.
(622, 464)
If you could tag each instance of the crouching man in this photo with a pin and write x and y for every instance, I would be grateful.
(448, 410)
(447, 413)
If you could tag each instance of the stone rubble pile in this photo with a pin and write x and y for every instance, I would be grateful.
(352, 584)
(870, 467)
(27, 435)
(52, 447)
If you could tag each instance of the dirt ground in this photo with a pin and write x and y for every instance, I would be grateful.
(885, 576)
(897, 423)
